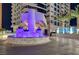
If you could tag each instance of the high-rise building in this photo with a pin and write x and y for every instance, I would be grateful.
(16, 11)
(53, 11)
(0, 16)
(18, 8)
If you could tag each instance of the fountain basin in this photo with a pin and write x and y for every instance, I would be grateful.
(26, 41)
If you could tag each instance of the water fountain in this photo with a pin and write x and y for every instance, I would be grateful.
(30, 20)
(31, 31)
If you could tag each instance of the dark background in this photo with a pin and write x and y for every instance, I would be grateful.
(73, 22)
(6, 16)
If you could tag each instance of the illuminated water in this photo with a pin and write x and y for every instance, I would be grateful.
(29, 20)
(67, 30)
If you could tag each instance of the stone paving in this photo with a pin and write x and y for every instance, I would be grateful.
(57, 46)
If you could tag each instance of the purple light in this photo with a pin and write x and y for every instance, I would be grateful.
(39, 16)
(24, 17)
(31, 17)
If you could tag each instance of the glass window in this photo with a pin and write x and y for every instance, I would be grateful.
(41, 10)
(58, 6)
(54, 13)
(41, 5)
(55, 23)
(57, 14)
(54, 4)
(54, 9)
(58, 10)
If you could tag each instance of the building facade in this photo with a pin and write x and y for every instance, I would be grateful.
(53, 11)
(18, 8)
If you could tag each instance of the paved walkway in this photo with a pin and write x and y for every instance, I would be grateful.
(57, 46)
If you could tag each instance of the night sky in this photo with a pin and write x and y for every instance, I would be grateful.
(6, 15)
(74, 5)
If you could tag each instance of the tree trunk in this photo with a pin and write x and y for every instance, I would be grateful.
(63, 26)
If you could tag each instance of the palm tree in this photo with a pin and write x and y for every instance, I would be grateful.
(64, 19)
(75, 13)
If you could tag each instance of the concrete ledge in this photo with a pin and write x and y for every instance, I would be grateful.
(27, 41)
(69, 36)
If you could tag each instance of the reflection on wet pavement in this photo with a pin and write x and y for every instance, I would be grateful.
(57, 46)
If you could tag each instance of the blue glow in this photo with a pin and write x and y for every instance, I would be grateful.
(30, 19)
(66, 30)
